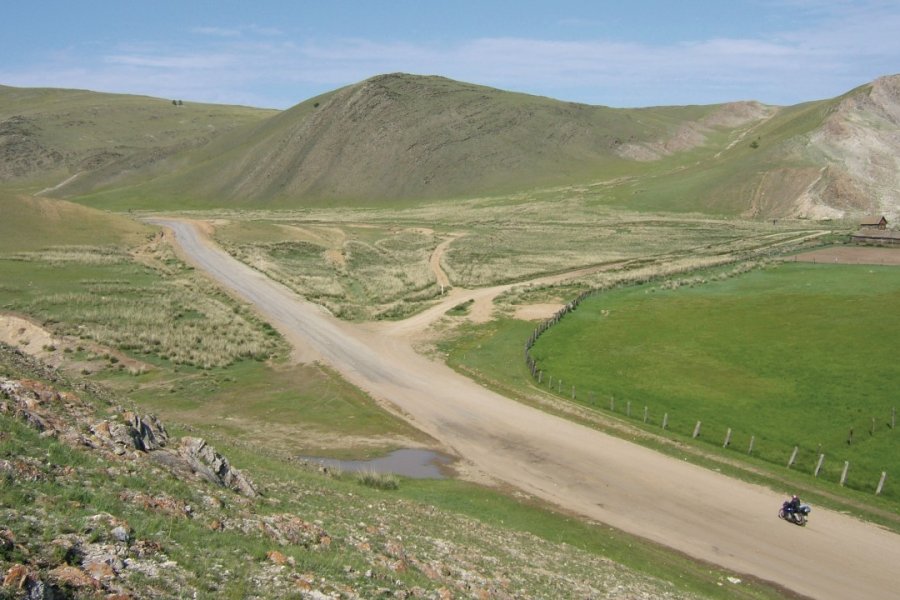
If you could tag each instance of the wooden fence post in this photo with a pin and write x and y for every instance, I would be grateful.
(850, 437)
(573, 392)
(696, 430)
(550, 381)
(752, 439)
(893, 417)
(881, 483)
(612, 404)
(665, 422)
(540, 376)
(819, 465)
(646, 410)
(844, 472)
(559, 386)
(872, 431)
(793, 456)
(628, 409)
(727, 438)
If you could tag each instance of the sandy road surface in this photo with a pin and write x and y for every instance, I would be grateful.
(700, 512)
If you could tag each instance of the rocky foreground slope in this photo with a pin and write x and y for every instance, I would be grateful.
(101, 502)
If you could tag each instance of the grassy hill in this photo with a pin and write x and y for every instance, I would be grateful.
(29, 223)
(50, 135)
(401, 139)
(407, 138)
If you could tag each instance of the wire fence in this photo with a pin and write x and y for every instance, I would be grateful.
(823, 463)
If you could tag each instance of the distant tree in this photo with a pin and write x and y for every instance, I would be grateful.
(754, 144)
(174, 102)
(180, 103)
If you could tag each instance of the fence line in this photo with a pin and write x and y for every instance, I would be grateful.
(538, 374)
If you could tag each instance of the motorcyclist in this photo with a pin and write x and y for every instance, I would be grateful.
(793, 505)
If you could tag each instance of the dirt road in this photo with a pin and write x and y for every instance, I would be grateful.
(697, 511)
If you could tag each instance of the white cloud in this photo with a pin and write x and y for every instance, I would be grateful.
(843, 47)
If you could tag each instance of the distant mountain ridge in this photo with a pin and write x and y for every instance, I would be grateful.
(411, 138)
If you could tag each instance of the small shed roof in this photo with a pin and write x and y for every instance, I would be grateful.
(873, 220)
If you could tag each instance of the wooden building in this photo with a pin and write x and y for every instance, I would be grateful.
(873, 222)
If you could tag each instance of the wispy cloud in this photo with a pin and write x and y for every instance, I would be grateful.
(216, 31)
(846, 45)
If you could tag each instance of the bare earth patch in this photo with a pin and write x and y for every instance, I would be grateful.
(537, 312)
(36, 341)
(852, 255)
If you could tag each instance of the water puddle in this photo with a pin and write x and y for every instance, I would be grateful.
(411, 462)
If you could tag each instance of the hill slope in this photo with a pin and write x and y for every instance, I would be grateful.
(50, 135)
(827, 159)
(408, 138)
(402, 137)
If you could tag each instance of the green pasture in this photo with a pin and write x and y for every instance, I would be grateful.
(796, 355)
(280, 409)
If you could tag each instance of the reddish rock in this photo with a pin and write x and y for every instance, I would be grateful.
(16, 576)
(99, 570)
(73, 577)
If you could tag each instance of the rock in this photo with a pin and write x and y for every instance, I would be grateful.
(120, 534)
(16, 577)
(99, 570)
(288, 530)
(73, 577)
(150, 432)
(145, 434)
(20, 470)
(212, 466)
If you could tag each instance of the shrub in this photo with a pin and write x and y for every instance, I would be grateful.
(379, 481)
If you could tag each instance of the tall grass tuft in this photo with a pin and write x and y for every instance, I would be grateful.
(378, 481)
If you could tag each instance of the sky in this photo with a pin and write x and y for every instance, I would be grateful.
(625, 53)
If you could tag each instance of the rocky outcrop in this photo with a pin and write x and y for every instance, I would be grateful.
(126, 435)
(212, 466)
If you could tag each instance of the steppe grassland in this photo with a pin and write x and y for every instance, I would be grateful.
(355, 271)
(369, 264)
(155, 309)
(199, 354)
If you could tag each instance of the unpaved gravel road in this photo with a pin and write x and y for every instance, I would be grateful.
(694, 510)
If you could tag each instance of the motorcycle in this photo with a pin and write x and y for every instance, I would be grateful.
(797, 517)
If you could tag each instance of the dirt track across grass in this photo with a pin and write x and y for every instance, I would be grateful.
(697, 511)
(852, 255)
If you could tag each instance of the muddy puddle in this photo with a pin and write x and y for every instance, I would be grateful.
(410, 462)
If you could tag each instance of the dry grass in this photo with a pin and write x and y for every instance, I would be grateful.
(369, 264)
(84, 255)
(364, 273)
(166, 311)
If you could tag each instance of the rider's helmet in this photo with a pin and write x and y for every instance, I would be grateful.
(794, 497)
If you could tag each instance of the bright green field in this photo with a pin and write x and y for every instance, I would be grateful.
(793, 355)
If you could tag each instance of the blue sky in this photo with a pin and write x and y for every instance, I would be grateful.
(623, 53)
